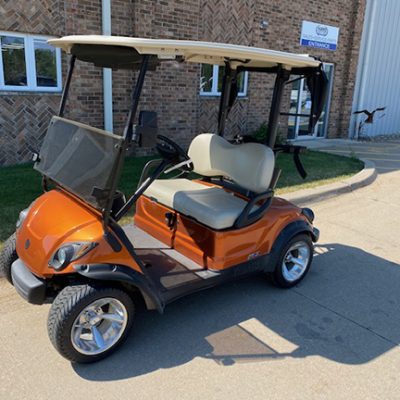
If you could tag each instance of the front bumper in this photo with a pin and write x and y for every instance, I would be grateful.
(315, 234)
(28, 286)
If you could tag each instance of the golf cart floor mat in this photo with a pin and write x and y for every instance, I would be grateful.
(142, 240)
(166, 272)
(169, 270)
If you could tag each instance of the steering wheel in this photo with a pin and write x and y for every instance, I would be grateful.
(172, 152)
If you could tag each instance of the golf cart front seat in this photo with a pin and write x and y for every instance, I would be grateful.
(250, 165)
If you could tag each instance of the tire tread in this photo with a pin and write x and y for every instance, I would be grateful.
(7, 256)
(276, 277)
(64, 309)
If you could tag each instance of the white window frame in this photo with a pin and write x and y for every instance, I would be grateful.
(31, 82)
(214, 84)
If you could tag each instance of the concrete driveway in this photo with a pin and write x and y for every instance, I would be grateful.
(334, 336)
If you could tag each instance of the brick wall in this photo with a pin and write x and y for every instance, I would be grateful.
(24, 116)
(238, 21)
(172, 91)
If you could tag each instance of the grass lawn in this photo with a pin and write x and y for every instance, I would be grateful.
(21, 184)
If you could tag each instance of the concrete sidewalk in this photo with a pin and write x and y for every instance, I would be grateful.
(385, 155)
(334, 336)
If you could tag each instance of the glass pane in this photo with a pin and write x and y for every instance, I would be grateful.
(294, 96)
(305, 108)
(206, 78)
(46, 64)
(80, 159)
(240, 82)
(14, 66)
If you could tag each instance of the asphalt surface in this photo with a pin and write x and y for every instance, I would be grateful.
(334, 336)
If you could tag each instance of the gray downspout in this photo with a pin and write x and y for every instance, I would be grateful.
(107, 73)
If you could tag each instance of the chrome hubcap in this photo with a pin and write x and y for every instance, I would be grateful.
(295, 261)
(99, 326)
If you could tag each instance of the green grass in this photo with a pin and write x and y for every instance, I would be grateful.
(322, 168)
(21, 184)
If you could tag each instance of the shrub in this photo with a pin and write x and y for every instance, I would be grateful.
(261, 133)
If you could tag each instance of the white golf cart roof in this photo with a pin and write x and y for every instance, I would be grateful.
(194, 51)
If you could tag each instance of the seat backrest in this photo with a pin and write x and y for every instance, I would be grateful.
(250, 165)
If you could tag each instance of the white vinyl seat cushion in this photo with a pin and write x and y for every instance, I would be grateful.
(250, 165)
(212, 206)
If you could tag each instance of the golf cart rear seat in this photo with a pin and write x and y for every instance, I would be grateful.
(250, 165)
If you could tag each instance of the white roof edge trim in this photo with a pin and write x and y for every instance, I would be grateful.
(194, 51)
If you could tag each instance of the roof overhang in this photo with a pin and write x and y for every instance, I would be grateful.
(193, 51)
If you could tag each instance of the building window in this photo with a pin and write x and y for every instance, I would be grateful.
(211, 80)
(28, 63)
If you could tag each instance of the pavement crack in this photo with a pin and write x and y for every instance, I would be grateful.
(347, 318)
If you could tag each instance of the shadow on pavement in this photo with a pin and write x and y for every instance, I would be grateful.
(346, 310)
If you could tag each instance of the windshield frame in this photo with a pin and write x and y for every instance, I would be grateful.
(126, 139)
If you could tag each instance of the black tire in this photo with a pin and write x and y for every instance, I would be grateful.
(7, 256)
(68, 304)
(278, 276)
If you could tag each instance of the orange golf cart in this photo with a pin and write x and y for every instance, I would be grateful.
(187, 234)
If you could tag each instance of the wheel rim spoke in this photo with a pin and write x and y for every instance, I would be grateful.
(99, 326)
(113, 317)
(97, 336)
(78, 333)
(295, 261)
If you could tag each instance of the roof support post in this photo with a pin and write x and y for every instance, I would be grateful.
(66, 86)
(127, 135)
(281, 79)
(128, 130)
(224, 107)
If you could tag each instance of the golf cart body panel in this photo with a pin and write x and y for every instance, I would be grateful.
(213, 249)
(57, 218)
(224, 225)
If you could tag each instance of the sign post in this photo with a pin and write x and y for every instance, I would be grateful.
(319, 36)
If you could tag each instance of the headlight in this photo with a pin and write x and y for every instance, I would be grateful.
(309, 214)
(68, 253)
(22, 216)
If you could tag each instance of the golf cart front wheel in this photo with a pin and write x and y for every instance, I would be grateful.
(7, 256)
(293, 262)
(87, 323)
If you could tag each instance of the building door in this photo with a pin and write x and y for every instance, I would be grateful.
(300, 103)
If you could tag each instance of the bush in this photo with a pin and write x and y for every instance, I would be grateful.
(261, 133)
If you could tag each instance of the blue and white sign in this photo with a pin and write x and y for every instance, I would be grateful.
(319, 36)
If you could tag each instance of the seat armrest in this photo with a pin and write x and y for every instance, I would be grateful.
(147, 168)
(247, 216)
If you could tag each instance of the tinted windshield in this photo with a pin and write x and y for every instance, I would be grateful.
(79, 158)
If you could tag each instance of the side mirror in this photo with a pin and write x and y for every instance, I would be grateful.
(317, 84)
(146, 130)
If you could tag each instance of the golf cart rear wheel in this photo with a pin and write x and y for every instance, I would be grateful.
(7, 256)
(293, 262)
(87, 323)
